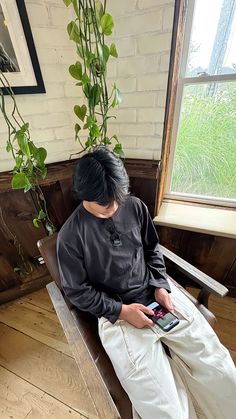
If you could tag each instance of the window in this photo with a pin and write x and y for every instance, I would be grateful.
(202, 161)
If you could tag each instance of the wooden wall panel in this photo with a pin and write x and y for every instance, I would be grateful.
(18, 211)
(214, 255)
(7, 247)
(172, 239)
(230, 278)
(146, 190)
(69, 203)
(55, 204)
(8, 278)
(144, 177)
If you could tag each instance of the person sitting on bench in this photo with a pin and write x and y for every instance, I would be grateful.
(110, 265)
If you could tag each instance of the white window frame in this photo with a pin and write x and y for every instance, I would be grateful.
(182, 81)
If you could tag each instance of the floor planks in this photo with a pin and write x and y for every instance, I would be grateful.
(38, 375)
(37, 322)
(20, 399)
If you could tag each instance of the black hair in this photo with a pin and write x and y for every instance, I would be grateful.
(100, 176)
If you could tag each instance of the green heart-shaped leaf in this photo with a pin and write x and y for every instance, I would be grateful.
(23, 142)
(43, 171)
(41, 215)
(94, 131)
(118, 150)
(9, 147)
(94, 95)
(107, 24)
(18, 161)
(99, 10)
(25, 127)
(40, 155)
(113, 50)
(35, 223)
(73, 32)
(76, 8)
(103, 52)
(117, 98)
(50, 228)
(20, 181)
(33, 148)
(80, 111)
(77, 129)
(85, 79)
(76, 70)
(106, 52)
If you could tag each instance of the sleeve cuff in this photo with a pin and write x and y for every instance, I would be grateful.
(115, 313)
(160, 283)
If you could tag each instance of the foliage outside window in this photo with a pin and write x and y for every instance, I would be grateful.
(203, 157)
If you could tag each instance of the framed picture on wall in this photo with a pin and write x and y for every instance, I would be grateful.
(18, 57)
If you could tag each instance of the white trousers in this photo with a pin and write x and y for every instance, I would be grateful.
(198, 381)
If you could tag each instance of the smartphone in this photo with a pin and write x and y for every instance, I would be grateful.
(163, 317)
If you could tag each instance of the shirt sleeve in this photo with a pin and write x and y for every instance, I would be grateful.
(77, 287)
(152, 253)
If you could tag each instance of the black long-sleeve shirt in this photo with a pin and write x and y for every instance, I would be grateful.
(98, 277)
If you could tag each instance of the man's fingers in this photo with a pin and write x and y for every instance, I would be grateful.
(146, 309)
(169, 306)
(166, 302)
(148, 322)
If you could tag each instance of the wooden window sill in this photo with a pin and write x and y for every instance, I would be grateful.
(199, 218)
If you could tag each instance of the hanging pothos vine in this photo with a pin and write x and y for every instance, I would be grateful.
(88, 31)
(29, 160)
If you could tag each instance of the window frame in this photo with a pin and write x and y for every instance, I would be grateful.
(181, 81)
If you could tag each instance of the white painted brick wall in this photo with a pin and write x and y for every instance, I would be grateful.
(148, 29)
(154, 44)
(143, 37)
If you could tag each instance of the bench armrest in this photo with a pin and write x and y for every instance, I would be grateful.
(99, 393)
(205, 281)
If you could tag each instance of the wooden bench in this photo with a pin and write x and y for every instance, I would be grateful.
(80, 328)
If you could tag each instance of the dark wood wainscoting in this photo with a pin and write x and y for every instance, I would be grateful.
(214, 255)
(17, 210)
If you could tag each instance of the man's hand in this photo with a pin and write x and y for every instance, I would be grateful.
(163, 297)
(135, 315)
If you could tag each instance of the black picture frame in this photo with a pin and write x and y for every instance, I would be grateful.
(39, 87)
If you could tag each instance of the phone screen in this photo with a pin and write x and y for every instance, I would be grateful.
(163, 316)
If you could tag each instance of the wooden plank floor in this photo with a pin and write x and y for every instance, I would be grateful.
(38, 375)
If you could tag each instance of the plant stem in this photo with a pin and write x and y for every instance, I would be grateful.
(25, 161)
